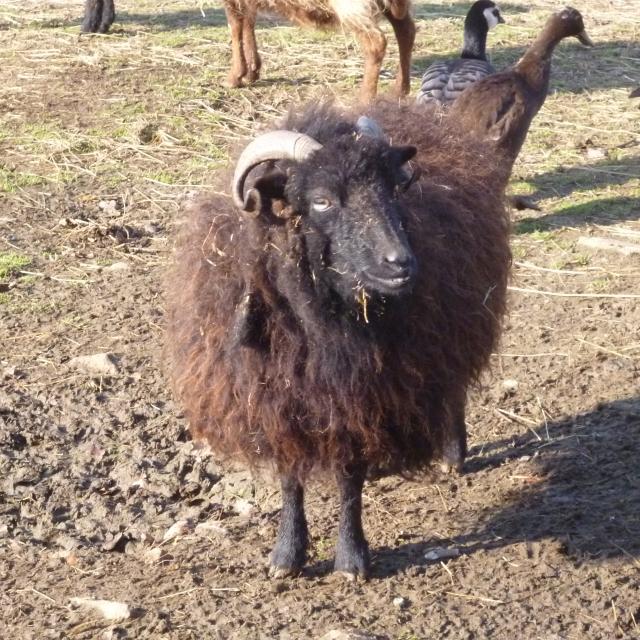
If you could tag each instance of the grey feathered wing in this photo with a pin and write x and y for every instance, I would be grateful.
(445, 81)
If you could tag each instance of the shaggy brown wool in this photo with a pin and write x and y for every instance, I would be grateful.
(322, 391)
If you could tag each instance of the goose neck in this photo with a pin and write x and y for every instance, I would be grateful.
(475, 40)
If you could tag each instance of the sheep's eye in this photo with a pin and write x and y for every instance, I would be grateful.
(321, 204)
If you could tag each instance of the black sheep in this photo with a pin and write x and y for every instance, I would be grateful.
(334, 318)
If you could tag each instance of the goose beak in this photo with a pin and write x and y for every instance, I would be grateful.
(501, 20)
(585, 39)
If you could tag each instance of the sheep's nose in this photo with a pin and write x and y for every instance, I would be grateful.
(400, 262)
(399, 259)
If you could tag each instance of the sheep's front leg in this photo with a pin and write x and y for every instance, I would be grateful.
(374, 45)
(290, 553)
(352, 551)
(405, 31)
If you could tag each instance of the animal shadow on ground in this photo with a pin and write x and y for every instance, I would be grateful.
(583, 491)
(574, 69)
(604, 211)
(427, 10)
(564, 181)
(160, 21)
(169, 20)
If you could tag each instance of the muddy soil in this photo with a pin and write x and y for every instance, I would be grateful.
(103, 494)
(96, 469)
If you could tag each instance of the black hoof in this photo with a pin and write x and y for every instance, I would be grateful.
(452, 461)
(352, 561)
(280, 573)
(287, 560)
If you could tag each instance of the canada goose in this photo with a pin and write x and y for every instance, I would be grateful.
(445, 81)
(501, 106)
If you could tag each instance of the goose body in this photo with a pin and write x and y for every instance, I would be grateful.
(444, 81)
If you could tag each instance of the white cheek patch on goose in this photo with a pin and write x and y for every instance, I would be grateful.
(490, 17)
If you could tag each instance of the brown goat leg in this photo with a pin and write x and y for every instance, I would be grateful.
(238, 63)
(374, 45)
(405, 31)
(250, 47)
(108, 16)
(399, 8)
(92, 16)
(290, 551)
(352, 551)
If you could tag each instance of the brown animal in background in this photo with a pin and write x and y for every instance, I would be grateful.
(358, 16)
(334, 318)
(500, 107)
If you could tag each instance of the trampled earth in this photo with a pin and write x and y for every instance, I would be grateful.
(102, 493)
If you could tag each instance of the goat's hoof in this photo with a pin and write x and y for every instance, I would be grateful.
(252, 76)
(233, 82)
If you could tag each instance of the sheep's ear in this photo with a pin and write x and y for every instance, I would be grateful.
(268, 191)
(403, 154)
(406, 175)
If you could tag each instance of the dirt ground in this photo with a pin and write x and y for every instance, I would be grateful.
(102, 493)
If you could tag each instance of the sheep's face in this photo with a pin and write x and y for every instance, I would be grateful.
(348, 195)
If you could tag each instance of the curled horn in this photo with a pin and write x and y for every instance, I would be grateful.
(275, 145)
(367, 126)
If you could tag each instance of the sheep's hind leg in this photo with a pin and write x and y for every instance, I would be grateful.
(352, 551)
(92, 16)
(454, 449)
(290, 552)
(108, 16)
